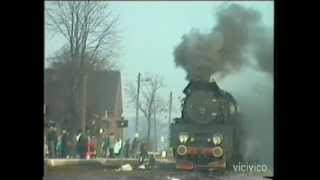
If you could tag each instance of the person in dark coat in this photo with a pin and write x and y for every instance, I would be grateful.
(82, 142)
(111, 141)
(64, 146)
(100, 143)
(127, 148)
(104, 145)
(52, 141)
(143, 152)
(134, 147)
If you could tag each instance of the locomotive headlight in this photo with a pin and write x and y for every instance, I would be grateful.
(217, 152)
(217, 139)
(183, 137)
(182, 150)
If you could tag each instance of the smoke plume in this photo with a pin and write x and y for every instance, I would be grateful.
(239, 49)
(253, 91)
(238, 37)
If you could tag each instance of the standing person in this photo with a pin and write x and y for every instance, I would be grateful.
(58, 147)
(46, 150)
(88, 153)
(93, 147)
(104, 145)
(110, 143)
(78, 147)
(52, 138)
(134, 146)
(82, 142)
(73, 145)
(118, 147)
(100, 144)
(64, 146)
(88, 143)
(127, 148)
(143, 152)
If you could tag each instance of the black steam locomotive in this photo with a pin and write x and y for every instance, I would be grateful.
(208, 133)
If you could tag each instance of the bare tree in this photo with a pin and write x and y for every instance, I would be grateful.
(87, 26)
(159, 108)
(149, 102)
(89, 31)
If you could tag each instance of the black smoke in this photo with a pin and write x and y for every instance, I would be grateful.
(238, 36)
(238, 51)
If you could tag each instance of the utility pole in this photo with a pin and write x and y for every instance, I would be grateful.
(137, 103)
(84, 103)
(155, 126)
(169, 120)
(170, 107)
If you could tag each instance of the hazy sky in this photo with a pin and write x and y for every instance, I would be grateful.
(151, 30)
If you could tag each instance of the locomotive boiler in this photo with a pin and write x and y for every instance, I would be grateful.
(209, 132)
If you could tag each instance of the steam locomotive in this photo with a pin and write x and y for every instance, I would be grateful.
(208, 133)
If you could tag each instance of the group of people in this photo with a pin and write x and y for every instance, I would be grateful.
(58, 145)
(86, 146)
